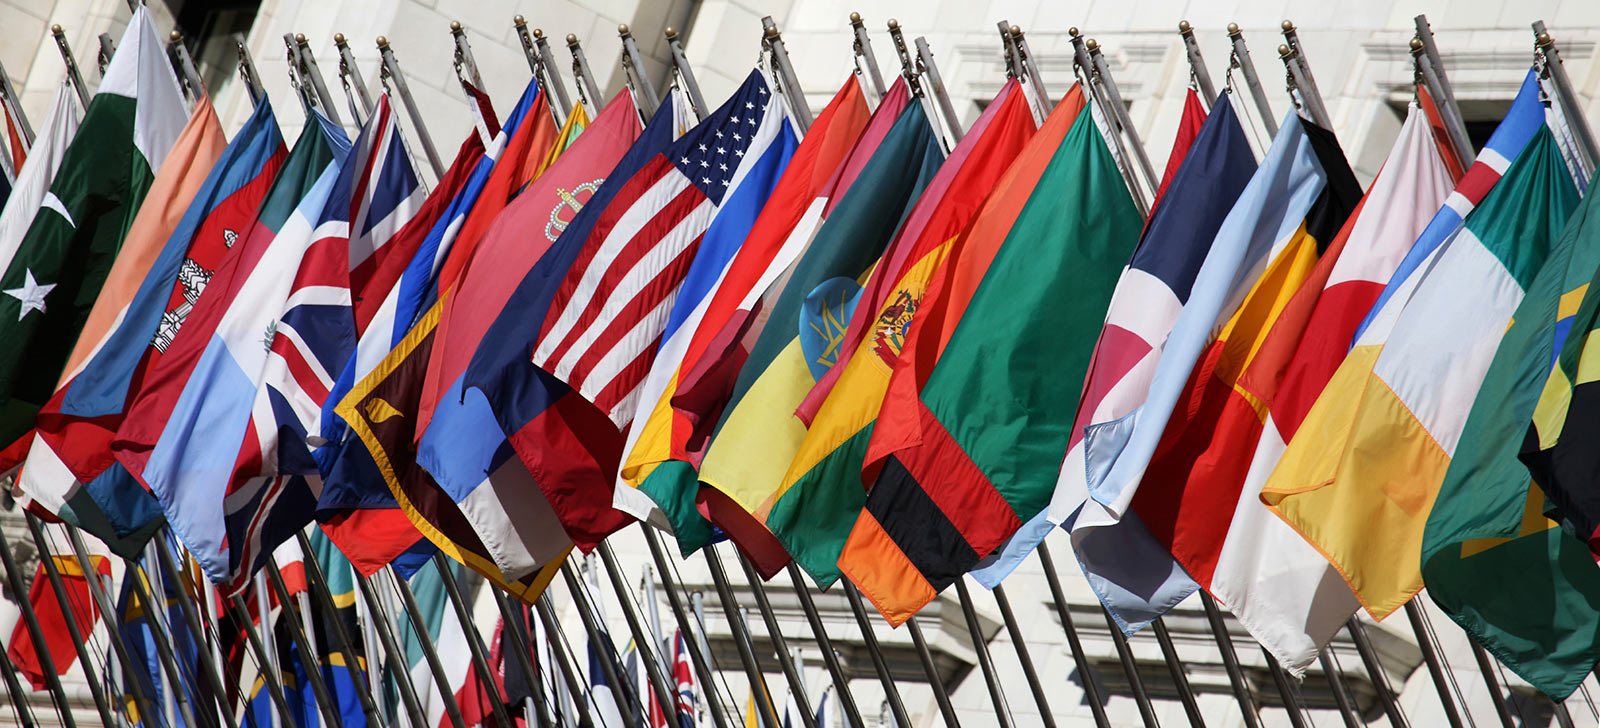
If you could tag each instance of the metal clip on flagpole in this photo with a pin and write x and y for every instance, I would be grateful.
(633, 65)
(891, 691)
(247, 71)
(297, 80)
(350, 77)
(930, 71)
(108, 48)
(1569, 99)
(908, 67)
(308, 68)
(1085, 66)
(685, 72)
(786, 661)
(773, 40)
(30, 620)
(1014, 67)
(72, 65)
(1058, 597)
(863, 51)
(464, 61)
(1197, 63)
(741, 637)
(585, 77)
(191, 77)
(1031, 66)
(391, 69)
(1300, 68)
(1444, 94)
(830, 659)
(543, 65)
(269, 675)
(1241, 60)
(1114, 99)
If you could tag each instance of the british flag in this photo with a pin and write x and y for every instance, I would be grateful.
(605, 323)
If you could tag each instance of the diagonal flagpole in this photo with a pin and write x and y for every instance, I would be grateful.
(381, 623)
(1240, 59)
(1197, 64)
(583, 76)
(633, 69)
(569, 670)
(391, 71)
(830, 658)
(542, 64)
(419, 627)
(697, 655)
(622, 690)
(73, 75)
(862, 47)
(317, 584)
(47, 664)
(289, 612)
(270, 675)
(480, 655)
(308, 69)
(1091, 688)
(741, 636)
(643, 642)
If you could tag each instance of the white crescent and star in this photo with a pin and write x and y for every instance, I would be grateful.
(31, 294)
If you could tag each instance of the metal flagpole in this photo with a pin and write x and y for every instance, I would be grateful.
(1241, 60)
(47, 665)
(1014, 68)
(1230, 662)
(1291, 703)
(633, 66)
(480, 655)
(940, 694)
(686, 73)
(1146, 712)
(584, 77)
(741, 635)
(419, 625)
(14, 105)
(97, 592)
(308, 67)
(1486, 667)
(247, 71)
(391, 70)
(72, 65)
(542, 61)
(780, 645)
(569, 671)
(773, 40)
(350, 73)
(302, 643)
(1197, 63)
(1015, 631)
(317, 584)
(108, 48)
(1340, 696)
(14, 691)
(165, 655)
(1114, 100)
(697, 602)
(297, 80)
(1032, 67)
(997, 694)
(1569, 99)
(1430, 78)
(863, 50)
(830, 659)
(936, 85)
(608, 664)
(463, 55)
(1435, 668)
(1444, 94)
(697, 652)
(890, 690)
(191, 77)
(908, 68)
(654, 665)
(1081, 61)
(1091, 688)
(516, 619)
(379, 619)
(1369, 658)
(1300, 69)
(269, 674)
(1180, 676)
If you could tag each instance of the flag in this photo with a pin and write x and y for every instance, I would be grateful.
(675, 436)
(164, 266)
(1493, 551)
(823, 491)
(52, 278)
(766, 215)
(604, 700)
(1198, 497)
(1148, 294)
(1361, 473)
(22, 651)
(19, 151)
(485, 511)
(444, 632)
(944, 496)
(33, 183)
(1194, 117)
(138, 622)
(757, 434)
(189, 433)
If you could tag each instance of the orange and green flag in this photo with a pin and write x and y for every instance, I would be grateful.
(822, 491)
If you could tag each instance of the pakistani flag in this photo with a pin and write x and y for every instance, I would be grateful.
(51, 281)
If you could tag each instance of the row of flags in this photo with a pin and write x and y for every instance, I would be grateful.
(848, 348)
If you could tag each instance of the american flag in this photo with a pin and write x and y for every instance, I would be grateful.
(605, 323)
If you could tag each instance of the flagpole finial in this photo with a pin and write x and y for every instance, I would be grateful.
(1016, 31)
(519, 21)
(1284, 51)
(894, 24)
(56, 30)
(855, 18)
(623, 31)
(538, 34)
(1288, 26)
(299, 38)
(1416, 46)
(1233, 30)
(338, 38)
(1092, 45)
(572, 39)
(174, 37)
(455, 26)
(1544, 40)
(1184, 27)
(1073, 31)
(670, 33)
(382, 42)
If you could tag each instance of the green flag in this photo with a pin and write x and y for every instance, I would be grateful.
(1491, 559)
(51, 281)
